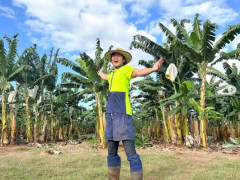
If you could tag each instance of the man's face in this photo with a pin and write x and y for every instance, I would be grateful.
(117, 59)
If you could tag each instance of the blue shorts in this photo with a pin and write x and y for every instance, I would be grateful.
(119, 127)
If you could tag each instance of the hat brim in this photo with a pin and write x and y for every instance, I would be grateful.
(126, 54)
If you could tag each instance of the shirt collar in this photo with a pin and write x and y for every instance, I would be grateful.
(119, 66)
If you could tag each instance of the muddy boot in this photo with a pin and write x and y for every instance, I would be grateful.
(135, 167)
(114, 173)
(114, 165)
(137, 175)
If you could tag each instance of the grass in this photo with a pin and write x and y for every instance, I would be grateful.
(91, 142)
(86, 163)
(231, 171)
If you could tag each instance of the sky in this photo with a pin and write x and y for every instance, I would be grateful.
(74, 25)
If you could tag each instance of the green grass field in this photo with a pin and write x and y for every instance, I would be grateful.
(83, 162)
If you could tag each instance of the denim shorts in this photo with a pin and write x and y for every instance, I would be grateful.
(119, 127)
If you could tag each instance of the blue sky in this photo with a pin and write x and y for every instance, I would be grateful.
(74, 25)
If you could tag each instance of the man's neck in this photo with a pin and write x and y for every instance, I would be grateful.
(117, 67)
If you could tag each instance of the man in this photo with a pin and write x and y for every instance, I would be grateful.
(119, 126)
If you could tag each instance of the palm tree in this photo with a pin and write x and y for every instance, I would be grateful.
(199, 48)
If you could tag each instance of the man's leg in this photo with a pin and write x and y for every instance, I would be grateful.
(113, 160)
(134, 160)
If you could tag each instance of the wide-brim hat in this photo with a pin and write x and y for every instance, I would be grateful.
(126, 54)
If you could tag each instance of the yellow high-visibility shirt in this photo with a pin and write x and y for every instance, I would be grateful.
(118, 99)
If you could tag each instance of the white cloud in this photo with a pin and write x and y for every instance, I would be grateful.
(216, 11)
(235, 42)
(7, 12)
(142, 20)
(140, 7)
(194, 1)
(170, 6)
(219, 66)
(153, 27)
(155, 30)
(75, 25)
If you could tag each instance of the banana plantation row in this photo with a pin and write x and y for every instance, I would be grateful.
(178, 102)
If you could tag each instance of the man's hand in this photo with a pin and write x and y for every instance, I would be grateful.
(100, 71)
(101, 74)
(158, 64)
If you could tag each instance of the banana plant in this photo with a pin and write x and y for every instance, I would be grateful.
(13, 113)
(67, 108)
(27, 80)
(171, 74)
(187, 90)
(199, 48)
(170, 54)
(50, 82)
(231, 77)
(9, 71)
(46, 68)
(217, 100)
(147, 104)
(88, 79)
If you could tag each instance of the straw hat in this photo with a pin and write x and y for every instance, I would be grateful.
(126, 54)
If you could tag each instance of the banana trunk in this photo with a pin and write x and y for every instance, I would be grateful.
(203, 130)
(178, 128)
(4, 139)
(52, 123)
(13, 125)
(35, 127)
(165, 128)
(29, 129)
(238, 129)
(70, 132)
(100, 119)
(232, 129)
(60, 133)
(185, 126)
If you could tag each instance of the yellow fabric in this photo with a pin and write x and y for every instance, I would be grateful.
(119, 80)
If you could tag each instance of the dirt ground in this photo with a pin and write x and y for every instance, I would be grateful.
(195, 154)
